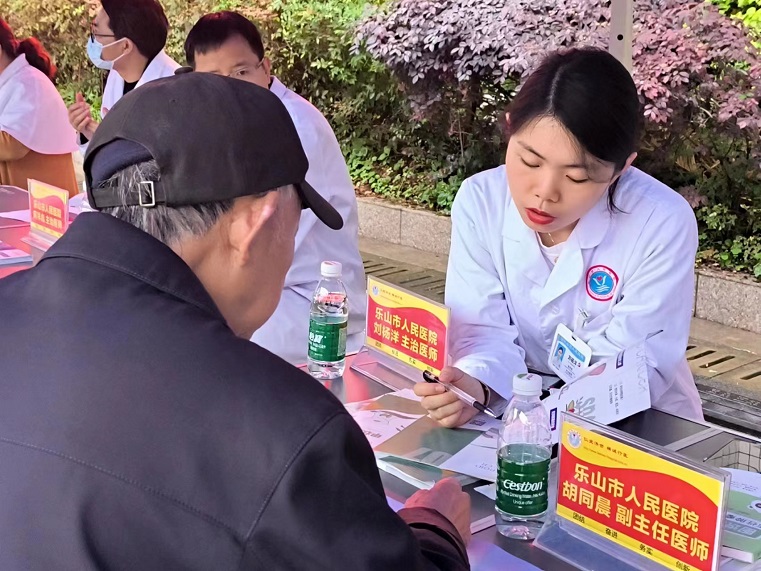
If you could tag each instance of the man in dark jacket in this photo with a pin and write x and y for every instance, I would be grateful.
(139, 428)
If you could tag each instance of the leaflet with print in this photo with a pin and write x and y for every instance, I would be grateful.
(742, 525)
(396, 425)
(387, 415)
(470, 449)
(422, 476)
(609, 390)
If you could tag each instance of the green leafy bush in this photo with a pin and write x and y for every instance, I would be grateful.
(389, 150)
(415, 89)
(747, 11)
(62, 26)
(697, 72)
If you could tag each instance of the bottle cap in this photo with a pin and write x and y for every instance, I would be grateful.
(527, 384)
(331, 269)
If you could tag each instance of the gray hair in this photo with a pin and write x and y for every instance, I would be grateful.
(167, 224)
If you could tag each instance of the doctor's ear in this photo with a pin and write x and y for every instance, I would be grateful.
(629, 162)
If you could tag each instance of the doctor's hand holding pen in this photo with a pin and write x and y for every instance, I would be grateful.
(443, 404)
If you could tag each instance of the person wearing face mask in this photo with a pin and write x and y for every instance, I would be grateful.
(226, 43)
(36, 140)
(127, 39)
(568, 232)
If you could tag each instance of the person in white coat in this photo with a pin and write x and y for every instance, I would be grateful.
(127, 39)
(227, 43)
(36, 140)
(568, 232)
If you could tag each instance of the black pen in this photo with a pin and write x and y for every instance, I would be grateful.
(462, 395)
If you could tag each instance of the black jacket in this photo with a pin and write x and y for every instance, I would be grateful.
(138, 433)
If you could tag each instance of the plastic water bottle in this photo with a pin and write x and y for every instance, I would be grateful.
(523, 460)
(328, 320)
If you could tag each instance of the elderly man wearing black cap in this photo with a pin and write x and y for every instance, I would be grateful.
(139, 428)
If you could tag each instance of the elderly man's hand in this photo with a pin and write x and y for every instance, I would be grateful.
(447, 498)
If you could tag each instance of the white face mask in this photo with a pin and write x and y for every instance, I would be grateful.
(95, 53)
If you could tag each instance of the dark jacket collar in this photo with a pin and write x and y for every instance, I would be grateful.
(106, 241)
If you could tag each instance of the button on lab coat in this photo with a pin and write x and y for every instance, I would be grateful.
(160, 66)
(286, 332)
(506, 302)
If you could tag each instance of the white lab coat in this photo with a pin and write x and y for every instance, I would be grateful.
(160, 66)
(506, 303)
(32, 111)
(286, 332)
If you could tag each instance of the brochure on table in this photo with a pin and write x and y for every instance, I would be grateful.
(397, 427)
(626, 504)
(406, 334)
(742, 529)
(608, 391)
(10, 255)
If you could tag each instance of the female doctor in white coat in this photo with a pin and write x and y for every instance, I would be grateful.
(127, 39)
(567, 227)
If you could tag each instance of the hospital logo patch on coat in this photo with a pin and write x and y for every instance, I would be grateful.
(601, 282)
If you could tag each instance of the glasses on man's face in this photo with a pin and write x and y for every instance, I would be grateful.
(245, 71)
(94, 35)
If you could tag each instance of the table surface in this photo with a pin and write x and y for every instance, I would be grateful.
(696, 440)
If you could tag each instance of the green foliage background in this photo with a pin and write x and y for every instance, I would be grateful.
(393, 149)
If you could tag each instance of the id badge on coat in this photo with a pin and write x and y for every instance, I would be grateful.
(569, 355)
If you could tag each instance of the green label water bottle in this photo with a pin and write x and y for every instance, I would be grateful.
(328, 321)
(523, 473)
(523, 461)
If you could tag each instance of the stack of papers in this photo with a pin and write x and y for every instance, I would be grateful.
(11, 255)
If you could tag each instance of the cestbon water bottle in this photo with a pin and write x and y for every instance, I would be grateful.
(328, 320)
(523, 461)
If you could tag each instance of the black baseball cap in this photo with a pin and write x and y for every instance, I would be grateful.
(214, 138)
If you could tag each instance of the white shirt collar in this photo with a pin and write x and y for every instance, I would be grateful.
(13, 68)
(278, 88)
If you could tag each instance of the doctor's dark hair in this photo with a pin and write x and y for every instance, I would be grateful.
(213, 30)
(592, 95)
(35, 54)
(142, 21)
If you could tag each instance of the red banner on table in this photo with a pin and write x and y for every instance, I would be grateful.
(407, 327)
(49, 209)
(650, 505)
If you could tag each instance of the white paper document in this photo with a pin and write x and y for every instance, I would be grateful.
(611, 390)
(396, 425)
(20, 215)
(386, 416)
